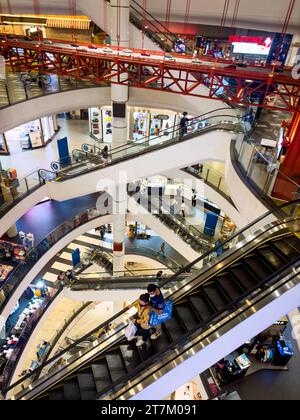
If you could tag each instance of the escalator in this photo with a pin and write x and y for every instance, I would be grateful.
(82, 161)
(261, 266)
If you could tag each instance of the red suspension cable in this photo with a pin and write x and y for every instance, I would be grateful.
(224, 19)
(168, 14)
(37, 11)
(73, 12)
(10, 11)
(235, 14)
(187, 16)
(1, 8)
(144, 22)
(118, 23)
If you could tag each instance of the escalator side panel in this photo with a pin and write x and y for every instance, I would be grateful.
(116, 366)
(87, 386)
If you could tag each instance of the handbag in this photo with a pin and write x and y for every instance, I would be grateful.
(166, 314)
(130, 331)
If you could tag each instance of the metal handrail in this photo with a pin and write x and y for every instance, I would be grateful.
(186, 269)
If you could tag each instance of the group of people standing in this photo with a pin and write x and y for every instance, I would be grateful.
(153, 300)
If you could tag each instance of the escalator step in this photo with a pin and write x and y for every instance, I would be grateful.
(230, 286)
(259, 269)
(146, 351)
(175, 328)
(275, 260)
(130, 356)
(244, 277)
(101, 376)
(294, 241)
(115, 366)
(216, 296)
(72, 391)
(202, 306)
(161, 343)
(87, 386)
(286, 249)
(187, 315)
(56, 395)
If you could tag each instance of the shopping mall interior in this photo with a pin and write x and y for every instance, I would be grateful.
(149, 200)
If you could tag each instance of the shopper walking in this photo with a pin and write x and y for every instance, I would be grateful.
(183, 209)
(194, 198)
(159, 275)
(105, 154)
(142, 319)
(157, 303)
(184, 124)
(162, 249)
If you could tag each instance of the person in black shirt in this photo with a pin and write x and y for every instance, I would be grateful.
(184, 124)
(157, 302)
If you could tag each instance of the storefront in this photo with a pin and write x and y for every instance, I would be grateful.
(32, 135)
(142, 122)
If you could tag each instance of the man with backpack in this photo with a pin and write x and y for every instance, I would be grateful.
(157, 303)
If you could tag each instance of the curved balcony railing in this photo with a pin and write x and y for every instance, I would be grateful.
(260, 168)
(17, 276)
(285, 217)
(82, 161)
(14, 91)
(211, 177)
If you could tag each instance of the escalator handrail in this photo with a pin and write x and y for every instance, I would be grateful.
(64, 174)
(182, 342)
(172, 278)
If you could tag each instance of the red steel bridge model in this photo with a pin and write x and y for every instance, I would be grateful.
(154, 70)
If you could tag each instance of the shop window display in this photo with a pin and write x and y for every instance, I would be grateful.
(95, 123)
(140, 126)
(32, 135)
(161, 125)
(107, 125)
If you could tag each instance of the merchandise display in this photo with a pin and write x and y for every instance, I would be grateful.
(31, 135)
(12, 252)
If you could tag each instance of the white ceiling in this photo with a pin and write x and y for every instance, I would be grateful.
(255, 14)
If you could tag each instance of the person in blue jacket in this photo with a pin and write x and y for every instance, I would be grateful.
(157, 302)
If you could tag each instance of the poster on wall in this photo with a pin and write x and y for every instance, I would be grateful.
(36, 139)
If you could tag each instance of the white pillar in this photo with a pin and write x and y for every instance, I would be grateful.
(119, 221)
(120, 37)
(292, 57)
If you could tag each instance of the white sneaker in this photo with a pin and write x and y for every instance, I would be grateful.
(156, 335)
(140, 343)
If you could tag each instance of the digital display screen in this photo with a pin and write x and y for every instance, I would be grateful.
(119, 110)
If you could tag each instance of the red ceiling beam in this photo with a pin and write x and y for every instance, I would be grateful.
(172, 77)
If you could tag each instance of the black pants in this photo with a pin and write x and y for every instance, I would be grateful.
(142, 332)
(194, 203)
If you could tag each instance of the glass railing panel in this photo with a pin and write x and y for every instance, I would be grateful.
(286, 217)
(15, 279)
(19, 87)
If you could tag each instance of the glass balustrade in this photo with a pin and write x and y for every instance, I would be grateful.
(106, 334)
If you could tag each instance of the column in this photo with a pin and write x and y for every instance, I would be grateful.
(119, 220)
(294, 50)
(12, 232)
(120, 37)
(285, 187)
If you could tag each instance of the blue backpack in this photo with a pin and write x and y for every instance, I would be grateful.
(166, 314)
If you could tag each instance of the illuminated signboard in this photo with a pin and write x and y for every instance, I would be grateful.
(251, 45)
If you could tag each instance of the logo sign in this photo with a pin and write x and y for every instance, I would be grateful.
(161, 117)
(266, 42)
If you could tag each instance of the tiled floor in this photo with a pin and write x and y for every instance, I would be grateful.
(28, 161)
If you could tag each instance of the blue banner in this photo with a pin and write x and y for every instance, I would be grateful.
(76, 257)
(63, 152)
